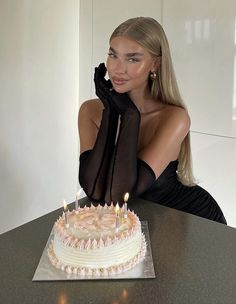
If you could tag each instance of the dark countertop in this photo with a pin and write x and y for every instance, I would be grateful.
(194, 259)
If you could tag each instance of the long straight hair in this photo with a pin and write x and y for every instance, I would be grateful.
(149, 34)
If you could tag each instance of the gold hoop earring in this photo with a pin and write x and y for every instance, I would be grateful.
(153, 75)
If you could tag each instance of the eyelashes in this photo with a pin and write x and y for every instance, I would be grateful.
(133, 60)
(111, 55)
(130, 59)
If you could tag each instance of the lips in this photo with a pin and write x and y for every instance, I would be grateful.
(118, 81)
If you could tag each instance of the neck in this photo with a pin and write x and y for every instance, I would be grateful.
(141, 99)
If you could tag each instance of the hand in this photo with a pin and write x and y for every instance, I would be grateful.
(102, 86)
(122, 102)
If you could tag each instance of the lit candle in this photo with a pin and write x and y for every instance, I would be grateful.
(117, 210)
(77, 197)
(65, 214)
(126, 197)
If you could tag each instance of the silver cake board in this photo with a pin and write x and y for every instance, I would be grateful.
(144, 270)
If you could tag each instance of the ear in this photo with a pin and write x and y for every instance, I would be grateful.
(156, 63)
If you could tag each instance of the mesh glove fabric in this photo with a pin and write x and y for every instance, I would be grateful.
(94, 164)
(127, 173)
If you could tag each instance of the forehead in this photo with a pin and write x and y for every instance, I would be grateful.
(124, 45)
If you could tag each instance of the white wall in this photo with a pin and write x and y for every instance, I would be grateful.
(39, 56)
(204, 50)
(202, 37)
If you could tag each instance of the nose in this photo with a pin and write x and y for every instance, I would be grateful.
(120, 67)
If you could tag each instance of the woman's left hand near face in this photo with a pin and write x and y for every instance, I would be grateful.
(102, 86)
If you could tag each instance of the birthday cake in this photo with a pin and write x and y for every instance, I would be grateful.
(97, 241)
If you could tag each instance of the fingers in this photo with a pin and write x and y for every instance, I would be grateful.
(100, 72)
(99, 77)
(109, 85)
(102, 69)
(102, 86)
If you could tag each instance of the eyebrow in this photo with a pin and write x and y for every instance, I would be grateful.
(128, 54)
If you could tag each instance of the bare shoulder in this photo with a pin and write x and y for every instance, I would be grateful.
(89, 119)
(91, 109)
(91, 106)
(176, 117)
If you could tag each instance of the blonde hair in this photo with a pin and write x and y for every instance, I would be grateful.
(149, 34)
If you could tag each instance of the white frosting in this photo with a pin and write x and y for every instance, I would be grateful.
(92, 244)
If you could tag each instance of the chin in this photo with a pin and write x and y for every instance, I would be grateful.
(120, 89)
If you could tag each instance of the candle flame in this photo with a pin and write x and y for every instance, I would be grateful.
(65, 205)
(126, 197)
(117, 209)
(79, 193)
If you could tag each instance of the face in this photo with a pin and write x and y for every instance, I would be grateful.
(129, 65)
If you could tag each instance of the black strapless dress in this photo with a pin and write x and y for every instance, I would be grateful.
(170, 192)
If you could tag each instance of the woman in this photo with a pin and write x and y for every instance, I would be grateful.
(135, 137)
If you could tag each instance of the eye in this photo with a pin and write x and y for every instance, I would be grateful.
(133, 60)
(111, 55)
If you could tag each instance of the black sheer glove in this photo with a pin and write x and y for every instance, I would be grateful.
(94, 164)
(122, 103)
(102, 86)
(127, 173)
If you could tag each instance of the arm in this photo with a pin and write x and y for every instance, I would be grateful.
(97, 143)
(133, 172)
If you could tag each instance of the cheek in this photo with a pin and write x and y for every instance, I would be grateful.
(109, 65)
(139, 71)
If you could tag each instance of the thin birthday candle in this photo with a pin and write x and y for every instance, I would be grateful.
(77, 197)
(117, 210)
(65, 214)
(126, 197)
